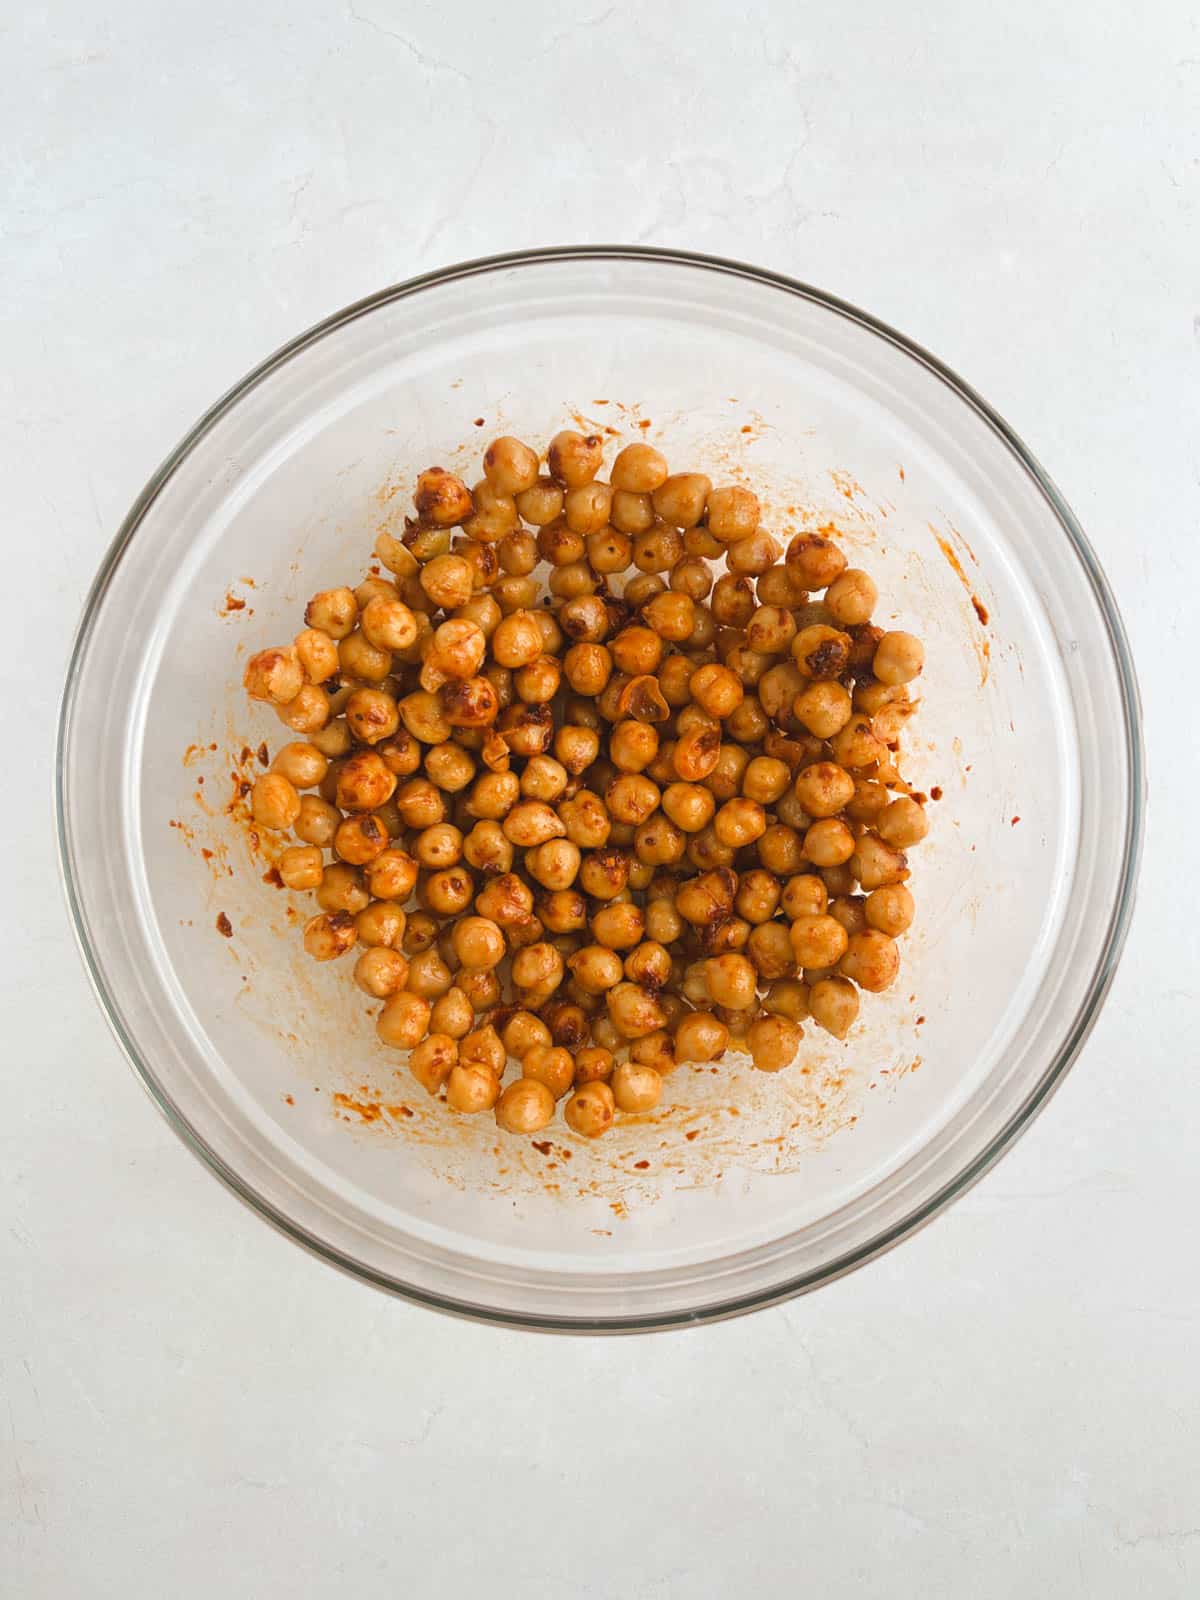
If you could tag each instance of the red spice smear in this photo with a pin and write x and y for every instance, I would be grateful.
(981, 611)
(1014, 822)
(224, 926)
(289, 1100)
(935, 793)
(365, 1110)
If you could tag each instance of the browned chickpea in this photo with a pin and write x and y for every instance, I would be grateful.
(420, 803)
(631, 514)
(537, 683)
(596, 969)
(636, 1087)
(532, 822)
(494, 516)
(588, 668)
(301, 867)
(404, 1021)
(518, 553)
(828, 843)
(765, 779)
(373, 715)
(871, 960)
(449, 767)
(821, 652)
(317, 653)
(851, 598)
(630, 797)
(554, 864)
(359, 659)
(472, 1088)
(780, 586)
(317, 821)
(380, 972)
(428, 974)
(636, 650)
(452, 1015)
(433, 1059)
(388, 624)
(633, 1011)
(515, 594)
(449, 892)
(726, 778)
(875, 864)
(824, 708)
(457, 649)
(541, 503)
(643, 588)
(574, 458)
(699, 1036)
(899, 658)
(359, 839)
(333, 612)
(903, 823)
(448, 580)
(572, 581)
(308, 712)
(632, 746)
(481, 987)
(778, 688)
(538, 965)
(732, 602)
(551, 1066)
(740, 822)
(733, 513)
(758, 895)
(707, 898)
(781, 850)
(731, 980)
(517, 640)
(478, 942)
(482, 1047)
(681, 498)
(586, 508)
(769, 950)
(690, 806)
(586, 820)
(333, 740)
(563, 911)
(421, 934)
(663, 922)
(276, 675)
(889, 909)
(364, 782)
(649, 964)
(467, 703)
(838, 880)
(522, 1032)
(850, 911)
(493, 795)
(818, 941)
(441, 499)
(594, 1064)
(747, 723)
(639, 468)
(395, 555)
(392, 875)
(509, 465)
(656, 549)
(526, 1106)
(770, 630)
(604, 873)
(401, 754)
(590, 1110)
(561, 545)
(381, 922)
(696, 752)
(329, 935)
(274, 801)
(856, 746)
(824, 788)
(754, 556)
(619, 925)
(787, 997)
(716, 690)
(815, 560)
(671, 616)
(773, 1042)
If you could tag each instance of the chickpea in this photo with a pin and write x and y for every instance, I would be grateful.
(765, 779)
(593, 1065)
(656, 549)
(469, 703)
(681, 498)
(758, 896)
(359, 839)
(526, 1106)
(421, 934)
(726, 778)
(276, 675)
(551, 1066)
(364, 782)
(838, 880)
(448, 580)
(301, 867)
(780, 586)
(333, 740)
(450, 892)
(733, 513)
(778, 688)
(689, 806)
(541, 503)
(561, 545)
(640, 468)
(554, 864)
(420, 803)
(636, 1087)
(707, 898)
(871, 960)
(596, 969)
(538, 965)
(875, 864)
(664, 925)
(481, 987)
(769, 951)
(903, 823)
(372, 715)
(855, 746)
(773, 1042)
(380, 971)
(517, 640)
(899, 658)
(824, 708)
(317, 653)
(890, 909)
(672, 616)
(493, 795)
(851, 598)
(449, 767)
(740, 822)
(308, 712)
(604, 873)
(329, 935)
(824, 788)
(333, 612)
(632, 745)
(699, 1036)
(586, 508)
(787, 997)
(274, 802)
(574, 459)
(731, 980)
(472, 1088)
(633, 1011)
(518, 553)
(316, 821)
(697, 751)
(590, 1110)
(815, 560)
(358, 658)
(433, 1060)
(428, 974)
(619, 925)
(381, 922)
(478, 942)
(818, 941)
(716, 690)
(828, 843)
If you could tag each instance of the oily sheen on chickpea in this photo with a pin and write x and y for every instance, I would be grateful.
(630, 819)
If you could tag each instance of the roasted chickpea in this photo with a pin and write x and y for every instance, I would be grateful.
(828, 843)
(472, 1088)
(381, 922)
(656, 549)
(632, 746)
(727, 776)
(364, 782)
(586, 508)
(699, 1036)
(541, 503)
(899, 658)
(690, 806)
(731, 980)
(818, 941)
(329, 935)
(716, 690)
(590, 1110)
(593, 1065)
(509, 465)
(274, 802)
(574, 458)
(537, 966)
(301, 867)
(890, 909)
(681, 498)
(696, 752)
(551, 1066)
(318, 654)
(526, 1106)
(815, 560)
(902, 823)
(758, 895)
(308, 712)
(851, 598)
(359, 839)
(875, 863)
(765, 779)
(633, 1011)
(664, 924)
(773, 1042)
(769, 951)
(595, 968)
(316, 821)
(733, 513)
(740, 822)
(640, 468)
(856, 746)
(636, 1087)
(380, 971)
(333, 612)
(433, 1060)
(493, 795)
(604, 873)
(823, 708)
(787, 997)
(824, 789)
(359, 659)
(276, 675)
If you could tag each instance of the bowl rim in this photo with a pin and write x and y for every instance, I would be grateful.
(1076, 1033)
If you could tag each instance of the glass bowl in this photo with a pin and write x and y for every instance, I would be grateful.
(744, 1188)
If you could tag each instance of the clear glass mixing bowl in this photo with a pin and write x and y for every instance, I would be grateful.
(745, 1188)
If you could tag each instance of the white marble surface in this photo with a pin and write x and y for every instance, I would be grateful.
(1007, 1404)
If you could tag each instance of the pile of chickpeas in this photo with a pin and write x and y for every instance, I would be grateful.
(654, 815)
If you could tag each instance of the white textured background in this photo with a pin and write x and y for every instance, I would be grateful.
(1008, 1404)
